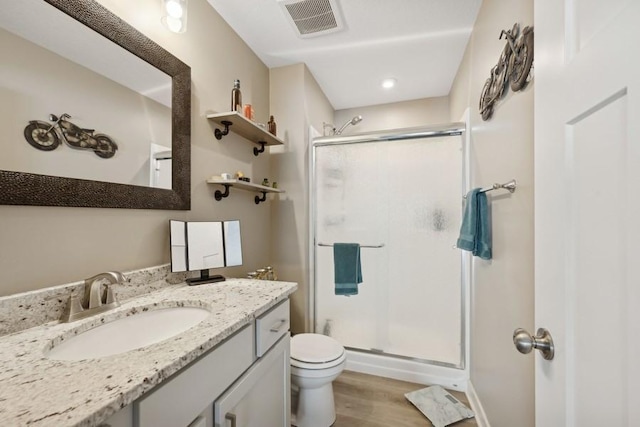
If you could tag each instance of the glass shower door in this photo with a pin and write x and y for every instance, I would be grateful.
(405, 197)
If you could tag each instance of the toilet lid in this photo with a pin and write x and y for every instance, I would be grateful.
(315, 348)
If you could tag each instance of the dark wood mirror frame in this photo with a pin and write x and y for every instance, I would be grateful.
(19, 188)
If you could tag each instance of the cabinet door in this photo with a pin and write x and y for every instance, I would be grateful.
(262, 396)
(178, 401)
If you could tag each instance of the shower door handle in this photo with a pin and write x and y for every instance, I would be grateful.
(524, 342)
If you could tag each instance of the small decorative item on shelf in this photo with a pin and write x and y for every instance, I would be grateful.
(275, 184)
(236, 97)
(226, 176)
(265, 182)
(240, 177)
(265, 273)
(271, 126)
(248, 111)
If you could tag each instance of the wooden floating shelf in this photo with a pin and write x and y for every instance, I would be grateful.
(228, 183)
(244, 185)
(237, 123)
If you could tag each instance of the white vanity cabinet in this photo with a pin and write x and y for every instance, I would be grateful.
(261, 397)
(244, 381)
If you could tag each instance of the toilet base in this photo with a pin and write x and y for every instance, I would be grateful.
(315, 407)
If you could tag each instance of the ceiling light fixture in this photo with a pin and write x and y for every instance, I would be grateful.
(174, 15)
(389, 83)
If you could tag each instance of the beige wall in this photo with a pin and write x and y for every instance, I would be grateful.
(419, 112)
(297, 103)
(502, 290)
(43, 246)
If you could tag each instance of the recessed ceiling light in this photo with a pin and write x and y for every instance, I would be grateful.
(389, 83)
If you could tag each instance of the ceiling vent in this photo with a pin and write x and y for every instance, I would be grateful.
(312, 18)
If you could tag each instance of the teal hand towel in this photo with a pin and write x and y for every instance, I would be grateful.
(475, 231)
(346, 268)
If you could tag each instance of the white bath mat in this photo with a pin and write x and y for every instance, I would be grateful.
(439, 406)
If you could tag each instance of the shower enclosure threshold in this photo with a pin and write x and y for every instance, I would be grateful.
(407, 369)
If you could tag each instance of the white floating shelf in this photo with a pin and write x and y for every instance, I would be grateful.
(244, 185)
(228, 183)
(237, 123)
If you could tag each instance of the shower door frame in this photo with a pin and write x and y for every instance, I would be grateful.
(392, 135)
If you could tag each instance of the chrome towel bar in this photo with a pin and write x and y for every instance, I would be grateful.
(510, 186)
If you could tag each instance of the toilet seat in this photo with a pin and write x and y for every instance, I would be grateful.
(315, 351)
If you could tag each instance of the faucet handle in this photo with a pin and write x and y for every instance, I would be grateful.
(111, 296)
(74, 306)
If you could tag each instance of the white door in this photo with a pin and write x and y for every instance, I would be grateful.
(587, 219)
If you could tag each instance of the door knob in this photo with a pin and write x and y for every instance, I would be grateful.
(524, 342)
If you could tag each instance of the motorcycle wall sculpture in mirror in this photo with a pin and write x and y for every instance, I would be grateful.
(136, 75)
(46, 136)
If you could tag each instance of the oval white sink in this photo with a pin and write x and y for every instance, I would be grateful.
(128, 333)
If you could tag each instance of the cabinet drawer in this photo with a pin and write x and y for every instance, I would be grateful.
(176, 402)
(271, 326)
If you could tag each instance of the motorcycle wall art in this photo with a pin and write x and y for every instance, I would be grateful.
(512, 69)
(46, 136)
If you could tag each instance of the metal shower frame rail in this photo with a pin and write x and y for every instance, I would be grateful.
(449, 129)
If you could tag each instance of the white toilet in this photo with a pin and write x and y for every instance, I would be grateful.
(316, 360)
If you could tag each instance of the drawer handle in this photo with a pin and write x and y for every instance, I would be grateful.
(278, 325)
(231, 417)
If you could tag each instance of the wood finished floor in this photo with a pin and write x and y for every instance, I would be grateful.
(369, 401)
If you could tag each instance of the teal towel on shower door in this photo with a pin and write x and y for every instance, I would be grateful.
(346, 268)
(475, 231)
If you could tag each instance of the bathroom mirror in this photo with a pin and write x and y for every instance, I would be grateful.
(204, 245)
(150, 81)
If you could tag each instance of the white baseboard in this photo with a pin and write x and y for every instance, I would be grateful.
(476, 406)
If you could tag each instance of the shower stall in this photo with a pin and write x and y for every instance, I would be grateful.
(399, 195)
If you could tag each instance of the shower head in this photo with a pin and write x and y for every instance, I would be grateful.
(354, 121)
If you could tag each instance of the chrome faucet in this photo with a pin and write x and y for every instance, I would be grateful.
(95, 300)
(93, 287)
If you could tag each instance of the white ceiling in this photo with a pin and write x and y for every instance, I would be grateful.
(420, 43)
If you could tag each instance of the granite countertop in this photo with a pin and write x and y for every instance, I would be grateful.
(36, 391)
